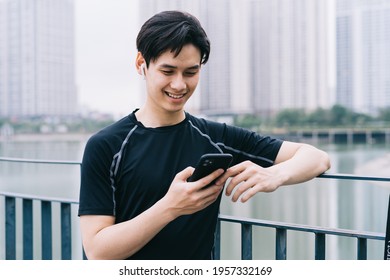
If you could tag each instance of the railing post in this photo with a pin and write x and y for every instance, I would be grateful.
(320, 246)
(217, 241)
(10, 228)
(66, 232)
(386, 255)
(362, 249)
(246, 241)
(47, 242)
(27, 229)
(281, 244)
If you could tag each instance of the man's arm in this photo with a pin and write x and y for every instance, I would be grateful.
(103, 239)
(298, 163)
(295, 163)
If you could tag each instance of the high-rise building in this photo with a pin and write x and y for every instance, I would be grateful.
(291, 50)
(265, 55)
(363, 57)
(37, 58)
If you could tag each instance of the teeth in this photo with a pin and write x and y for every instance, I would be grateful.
(174, 96)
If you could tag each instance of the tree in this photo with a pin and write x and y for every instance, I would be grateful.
(319, 117)
(247, 121)
(339, 115)
(384, 114)
(290, 117)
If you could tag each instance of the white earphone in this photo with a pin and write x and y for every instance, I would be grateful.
(143, 66)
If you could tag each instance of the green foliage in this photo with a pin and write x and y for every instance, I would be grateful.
(337, 116)
(290, 117)
(48, 125)
(384, 114)
(247, 121)
(318, 116)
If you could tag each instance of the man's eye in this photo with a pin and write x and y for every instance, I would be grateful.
(190, 73)
(167, 72)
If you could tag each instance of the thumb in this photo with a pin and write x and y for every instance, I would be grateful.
(185, 174)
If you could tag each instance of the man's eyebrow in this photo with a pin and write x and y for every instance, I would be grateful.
(195, 67)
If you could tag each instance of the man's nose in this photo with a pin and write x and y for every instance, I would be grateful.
(178, 83)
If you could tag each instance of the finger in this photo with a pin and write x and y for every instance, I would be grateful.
(212, 191)
(231, 172)
(201, 183)
(241, 189)
(211, 194)
(185, 174)
(248, 194)
(253, 188)
(222, 179)
(236, 180)
(204, 197)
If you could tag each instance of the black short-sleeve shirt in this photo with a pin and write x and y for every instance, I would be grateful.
(126, 168)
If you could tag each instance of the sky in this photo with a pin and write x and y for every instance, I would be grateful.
(106, 78)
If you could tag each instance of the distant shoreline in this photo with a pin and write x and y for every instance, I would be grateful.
(46, 137)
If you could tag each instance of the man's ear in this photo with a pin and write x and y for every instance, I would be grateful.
(140, 64)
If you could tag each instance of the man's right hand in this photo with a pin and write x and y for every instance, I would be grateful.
(185, 198)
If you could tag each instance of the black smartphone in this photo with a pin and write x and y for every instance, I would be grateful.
(208, 163)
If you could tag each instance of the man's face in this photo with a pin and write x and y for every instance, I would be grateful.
(170, 81)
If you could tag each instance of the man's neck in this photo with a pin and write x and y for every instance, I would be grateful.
(154, 119)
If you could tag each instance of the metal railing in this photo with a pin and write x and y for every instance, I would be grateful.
(46, 219)
(46, 205)
(247, 224)
(281, 229)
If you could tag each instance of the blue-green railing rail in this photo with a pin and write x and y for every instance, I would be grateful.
(247, 224)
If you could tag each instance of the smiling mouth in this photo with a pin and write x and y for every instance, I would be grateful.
(175, 96)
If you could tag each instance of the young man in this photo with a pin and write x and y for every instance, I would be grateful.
(135, 201)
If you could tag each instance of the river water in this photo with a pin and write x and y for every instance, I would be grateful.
(345, 204)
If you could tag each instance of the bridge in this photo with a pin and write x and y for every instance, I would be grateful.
(337, 135)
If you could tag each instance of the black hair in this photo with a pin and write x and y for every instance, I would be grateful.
(171, 30)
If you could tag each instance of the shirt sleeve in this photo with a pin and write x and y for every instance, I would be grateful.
(245, 145)
(97, 187)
